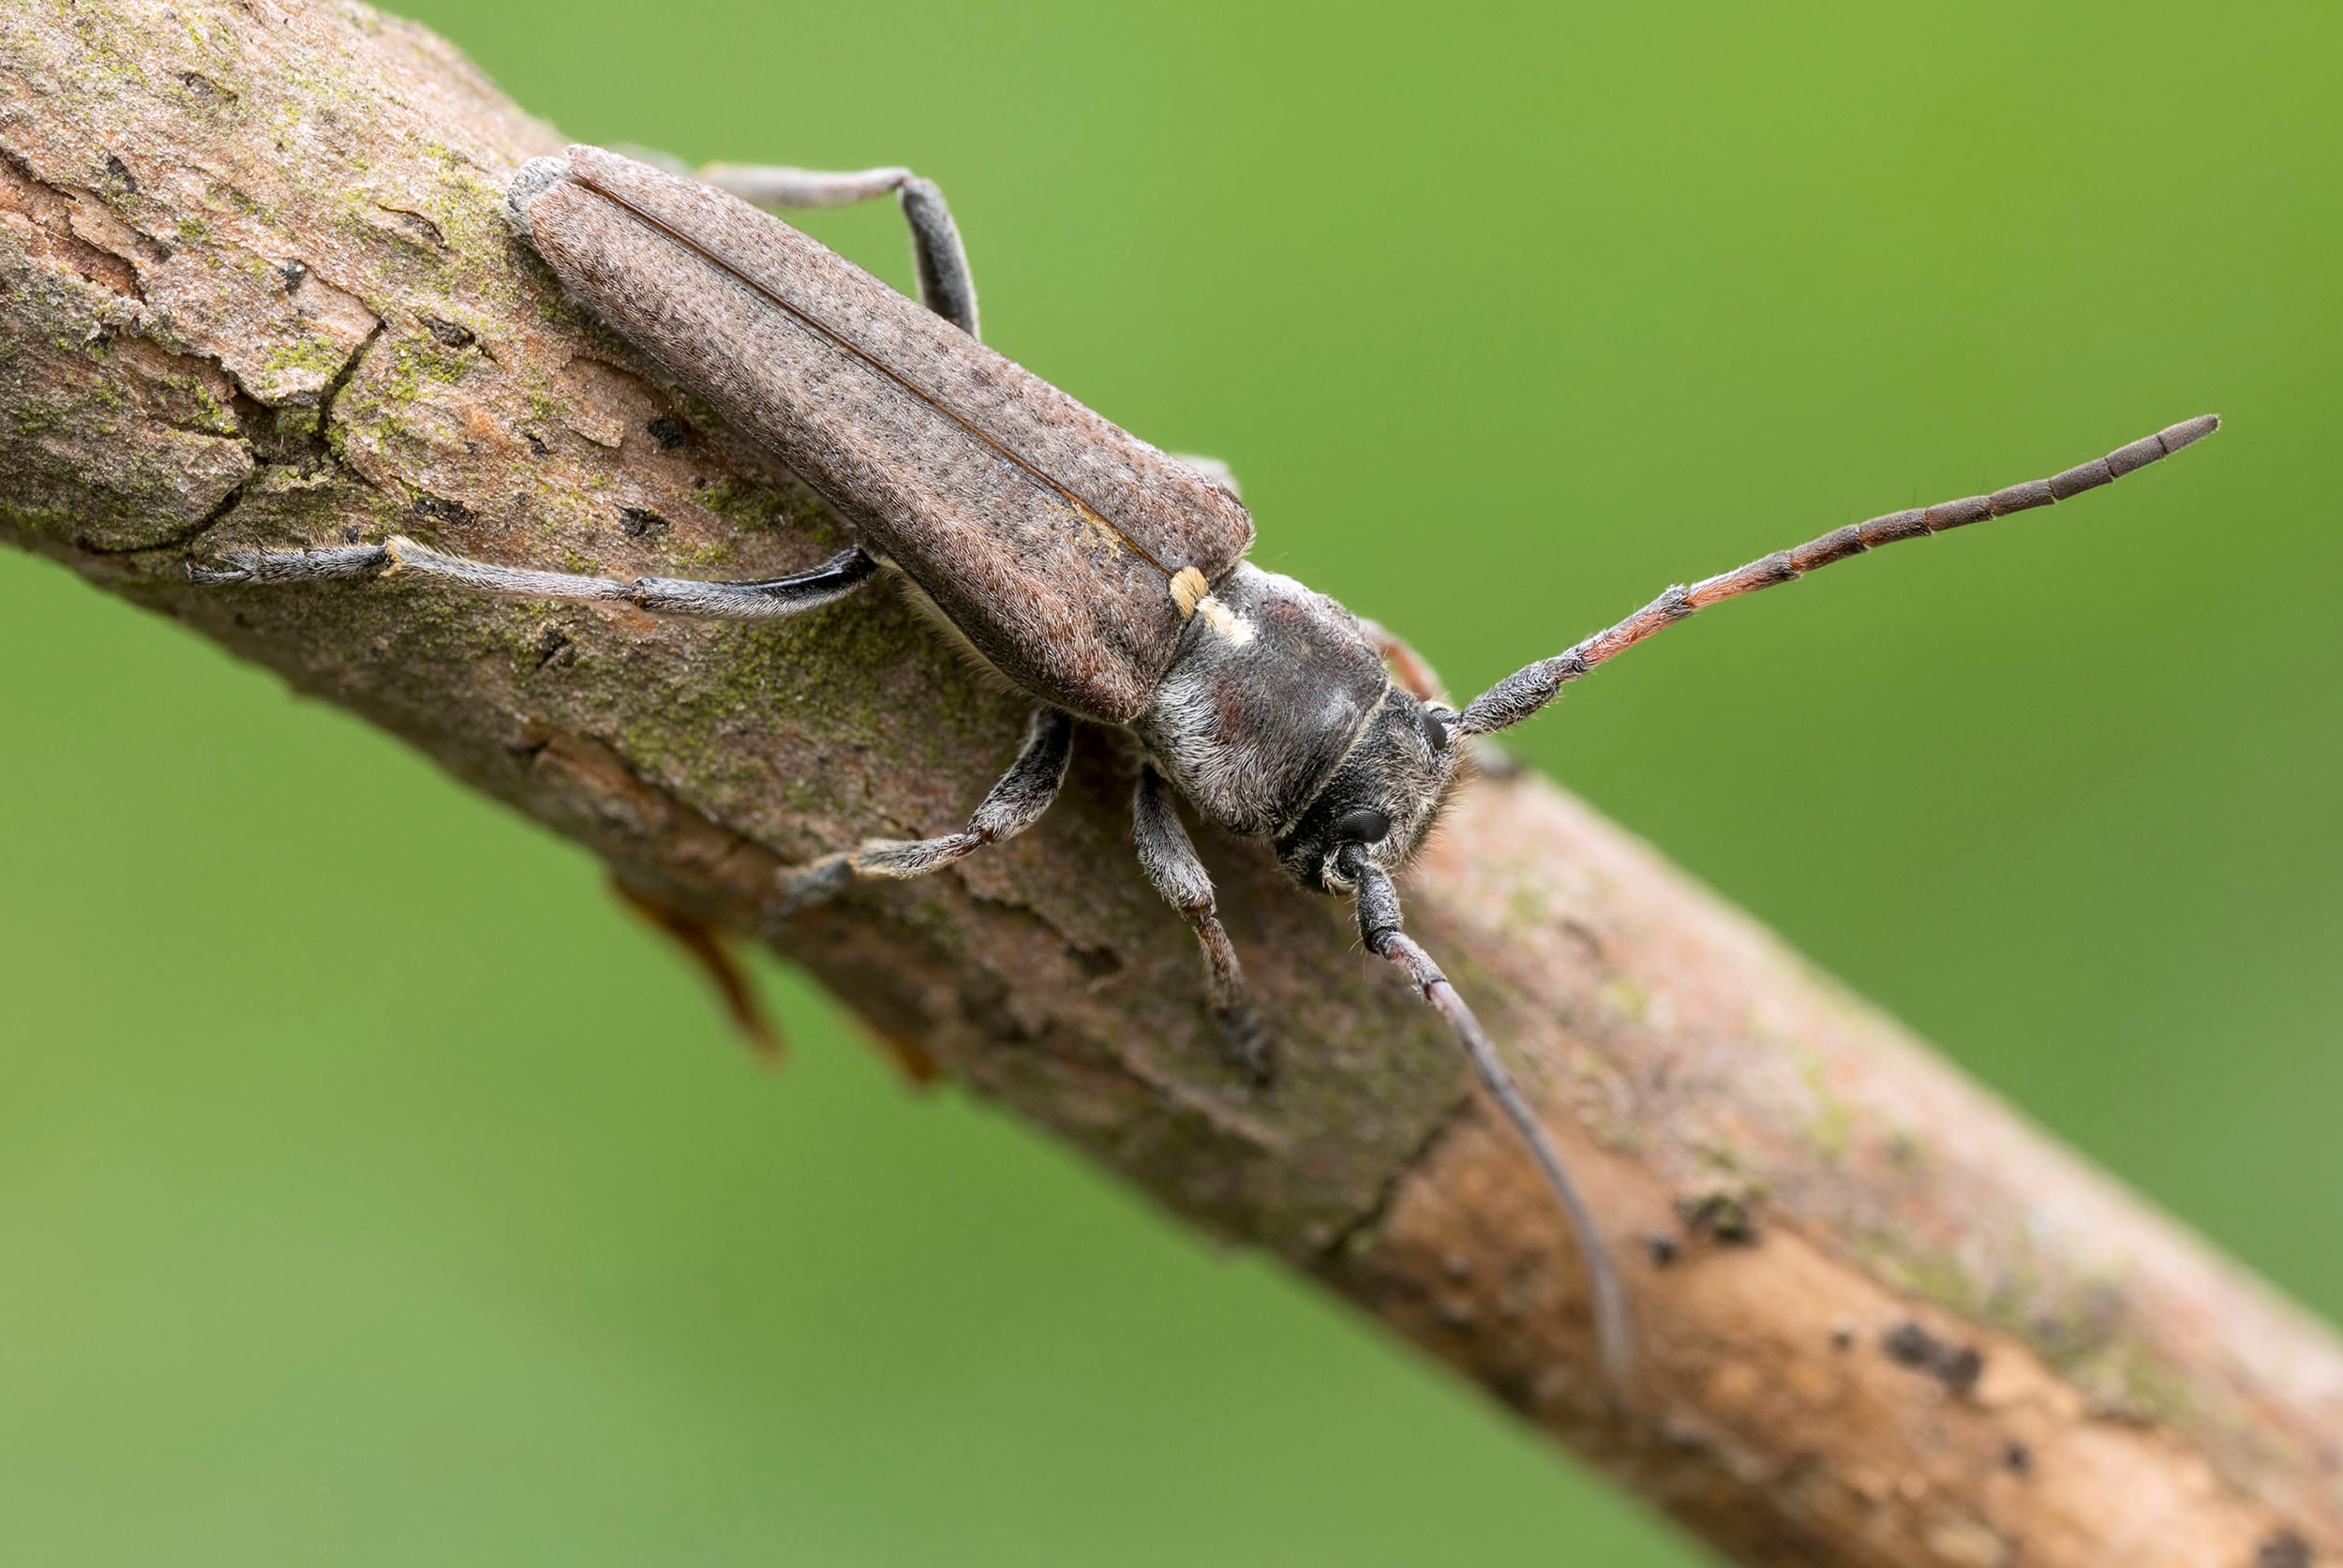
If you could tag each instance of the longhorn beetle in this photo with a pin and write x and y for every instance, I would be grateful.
(1100, 575)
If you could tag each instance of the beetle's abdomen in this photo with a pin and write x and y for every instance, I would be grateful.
(1045, 533)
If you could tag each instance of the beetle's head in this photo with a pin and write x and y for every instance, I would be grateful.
(1384, 796)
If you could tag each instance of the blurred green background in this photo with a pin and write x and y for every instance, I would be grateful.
(372, 1191)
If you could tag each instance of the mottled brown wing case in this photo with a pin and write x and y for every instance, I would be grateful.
(1047, 535)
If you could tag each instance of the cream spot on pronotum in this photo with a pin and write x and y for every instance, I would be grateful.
(1225, 621)
(1195, 597)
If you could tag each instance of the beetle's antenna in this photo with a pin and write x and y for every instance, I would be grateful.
(1380, 927)
(1532, 687)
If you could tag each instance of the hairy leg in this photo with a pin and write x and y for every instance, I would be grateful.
(946, 286)
(772, 599)
(1167, 856)
(1411, 670)
(1014, 804)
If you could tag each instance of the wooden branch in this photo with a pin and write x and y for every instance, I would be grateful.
(254, 290)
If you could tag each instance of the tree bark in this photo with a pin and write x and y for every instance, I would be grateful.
(255, 291)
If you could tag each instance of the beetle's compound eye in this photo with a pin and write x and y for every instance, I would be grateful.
(1436, 727)
(1364, 825)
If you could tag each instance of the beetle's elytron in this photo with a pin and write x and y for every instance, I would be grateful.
(1095, 573)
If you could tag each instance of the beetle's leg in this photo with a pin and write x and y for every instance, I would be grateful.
(1168, 857)
(944, 284)
(1015, 804)
(292, 567)
(771, 600)
(1410, 669)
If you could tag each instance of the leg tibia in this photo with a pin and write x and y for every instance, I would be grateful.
(1012, 806)
(946, 284)
(771, 600)
(773, 184)
(1168, 857)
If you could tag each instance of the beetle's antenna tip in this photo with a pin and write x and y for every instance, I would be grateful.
(1532, 686)
(2189, 430)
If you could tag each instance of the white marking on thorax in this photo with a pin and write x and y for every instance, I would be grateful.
(1225, 621)
(1194, 598)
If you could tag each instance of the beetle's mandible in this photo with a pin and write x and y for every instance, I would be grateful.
(1104, 578)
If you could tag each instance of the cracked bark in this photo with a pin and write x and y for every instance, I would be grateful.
(254, 290)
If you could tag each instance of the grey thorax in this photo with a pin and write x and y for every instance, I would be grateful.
(1105, 578)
